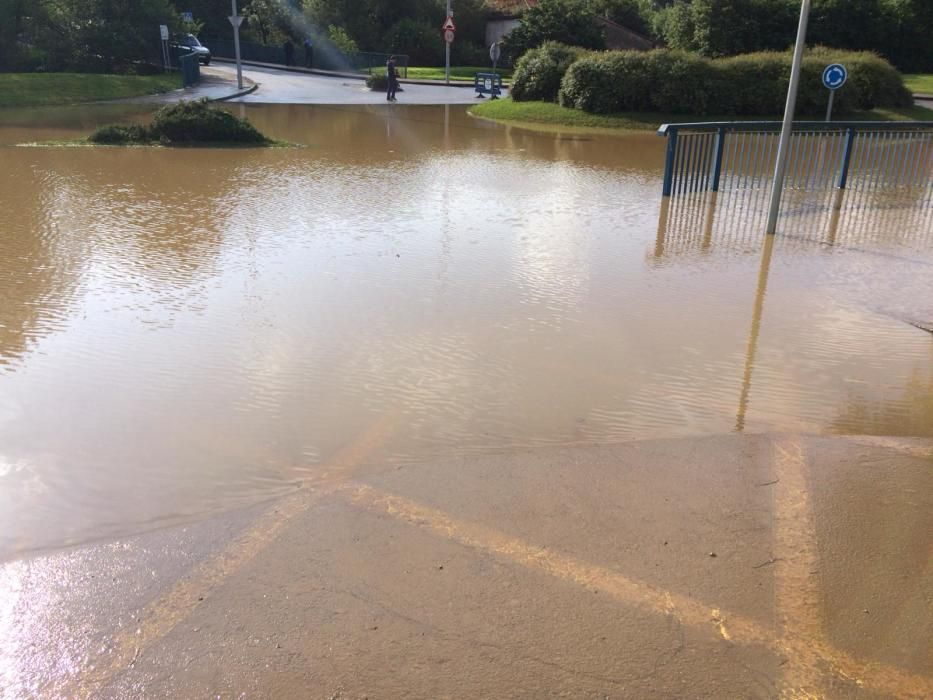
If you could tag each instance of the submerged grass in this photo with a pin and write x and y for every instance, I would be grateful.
(550, 115)
(49, 89)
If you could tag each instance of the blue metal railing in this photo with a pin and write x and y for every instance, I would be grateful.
(729, 156)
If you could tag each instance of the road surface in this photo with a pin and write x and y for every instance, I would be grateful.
(280, 86)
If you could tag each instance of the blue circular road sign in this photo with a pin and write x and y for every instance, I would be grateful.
(835, 76)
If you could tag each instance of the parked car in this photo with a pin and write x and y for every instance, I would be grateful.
(190, 43)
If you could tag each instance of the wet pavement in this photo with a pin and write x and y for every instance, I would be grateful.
(431, 406)
(730, 566)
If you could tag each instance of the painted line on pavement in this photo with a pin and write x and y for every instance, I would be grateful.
(806, 653)
(903, 446)
(162, 615)
(796, 590)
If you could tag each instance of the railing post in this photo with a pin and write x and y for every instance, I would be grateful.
(669, 162)
(846, 159)
(717, 164)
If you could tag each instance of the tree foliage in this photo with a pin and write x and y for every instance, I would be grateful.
(899, 30)
(102, 35)
(571, 22)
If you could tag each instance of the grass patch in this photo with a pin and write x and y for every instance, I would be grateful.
(549, 114)
(184, 124)
(919, 83)
(48, 89)
(461, 73)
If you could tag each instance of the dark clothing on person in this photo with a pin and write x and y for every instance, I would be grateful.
(289, 53)
(309, 53)
(392, 80)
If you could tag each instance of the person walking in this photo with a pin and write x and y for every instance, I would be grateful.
(309, 52)
(289, 52)
(391, 79)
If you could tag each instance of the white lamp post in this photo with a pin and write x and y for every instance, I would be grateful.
(780, 168)
(236, 21)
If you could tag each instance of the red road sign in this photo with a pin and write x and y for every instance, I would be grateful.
(449, 36)
(449, 25)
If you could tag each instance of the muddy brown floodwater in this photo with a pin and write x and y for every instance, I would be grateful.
(183, 331)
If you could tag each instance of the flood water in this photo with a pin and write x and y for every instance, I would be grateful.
(184, 330)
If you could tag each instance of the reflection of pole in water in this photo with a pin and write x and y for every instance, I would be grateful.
(708, 226)
(662, 227)
(834, 217)
(447, 126)
(754, 331)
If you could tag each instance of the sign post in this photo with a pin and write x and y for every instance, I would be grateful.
(236, 21)
(166, 56)
(834, 77)
(495, 51)
(780, 168)
(448, 30)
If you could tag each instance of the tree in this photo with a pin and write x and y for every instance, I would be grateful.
(107, 35)
(571, 22)
(634, 14)
(402, 26)
(727, 27)
(265, 20)
(14, 19)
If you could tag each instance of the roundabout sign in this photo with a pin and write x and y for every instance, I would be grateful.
(835, 76)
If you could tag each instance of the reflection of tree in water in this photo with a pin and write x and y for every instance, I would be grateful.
(150, 221)
(909, 415)
(37, 270)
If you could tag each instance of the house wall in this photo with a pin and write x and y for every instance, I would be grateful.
(496, 29)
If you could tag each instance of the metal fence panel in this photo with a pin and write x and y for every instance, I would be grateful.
(823, 156)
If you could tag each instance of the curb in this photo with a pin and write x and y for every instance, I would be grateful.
(240, 93)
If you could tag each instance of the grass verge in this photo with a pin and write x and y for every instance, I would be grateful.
(919, 83)
(550, 115)
(49, 89)
(460, 73)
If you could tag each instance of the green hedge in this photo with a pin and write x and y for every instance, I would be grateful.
(679, 82)
(539, 72)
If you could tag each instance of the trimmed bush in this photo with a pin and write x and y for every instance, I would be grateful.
(184, 123)
(114, 134)
(198, 122)
(539, 72)
(378, 82)
(678, 82)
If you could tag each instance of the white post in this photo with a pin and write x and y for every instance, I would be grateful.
(447, 50)
(780, 168)
(235, 21)
(829, 108)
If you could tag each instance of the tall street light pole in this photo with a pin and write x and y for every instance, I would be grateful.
(236, 21)
(780, 168)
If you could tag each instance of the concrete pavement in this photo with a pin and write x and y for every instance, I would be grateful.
(732, 566)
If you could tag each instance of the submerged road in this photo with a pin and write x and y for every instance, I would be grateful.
(732, 566)
(286, 87)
